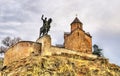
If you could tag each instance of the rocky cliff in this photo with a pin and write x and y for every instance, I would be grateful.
(61, 65)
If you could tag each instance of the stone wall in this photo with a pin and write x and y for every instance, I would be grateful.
(48, 49)
(88, 40)
(60, 51)
(42, 47)
(46, 45)
(75, 26)
(21, 50)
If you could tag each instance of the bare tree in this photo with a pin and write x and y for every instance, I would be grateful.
(8, 42)
(2, 49)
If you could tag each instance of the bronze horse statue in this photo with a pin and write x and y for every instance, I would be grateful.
(46, 26)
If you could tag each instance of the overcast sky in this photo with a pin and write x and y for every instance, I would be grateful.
(22, 18)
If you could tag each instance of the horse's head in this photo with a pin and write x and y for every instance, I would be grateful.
(49, 21)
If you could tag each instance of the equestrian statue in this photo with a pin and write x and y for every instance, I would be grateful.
(46, 26)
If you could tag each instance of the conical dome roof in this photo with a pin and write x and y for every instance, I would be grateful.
(76, 20)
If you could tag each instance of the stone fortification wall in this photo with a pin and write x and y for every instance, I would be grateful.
(42, 47)
(48, 49)
(60, 51)
(21, 50)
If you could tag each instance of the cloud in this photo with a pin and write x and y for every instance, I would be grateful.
(99, 17)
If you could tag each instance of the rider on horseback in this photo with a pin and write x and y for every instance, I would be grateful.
(46, 26)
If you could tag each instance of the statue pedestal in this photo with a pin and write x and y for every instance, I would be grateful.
(46, 44)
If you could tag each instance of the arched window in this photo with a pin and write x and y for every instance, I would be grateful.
(78, 34)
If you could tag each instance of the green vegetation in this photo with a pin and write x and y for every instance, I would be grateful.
(97, 51)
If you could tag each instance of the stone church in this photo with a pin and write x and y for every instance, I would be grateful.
(78, 39)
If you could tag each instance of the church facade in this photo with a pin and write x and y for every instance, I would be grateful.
(78, 39)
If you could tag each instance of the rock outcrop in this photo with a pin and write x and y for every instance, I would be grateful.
(61, 65)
